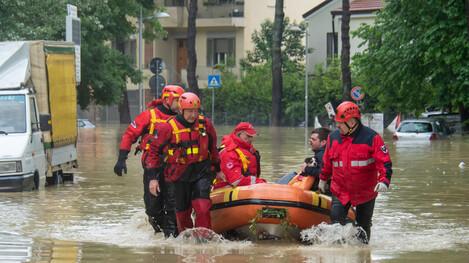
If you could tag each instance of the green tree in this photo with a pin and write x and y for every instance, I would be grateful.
(191, 50)
(277, 77)
(345, 53)
(250, 98)
(104, 70)
(417, 55)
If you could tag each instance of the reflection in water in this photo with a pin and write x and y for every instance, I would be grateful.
(101, 217)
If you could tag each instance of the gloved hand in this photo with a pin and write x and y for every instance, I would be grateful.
(120, 164)
(322, 186)
(381, 187)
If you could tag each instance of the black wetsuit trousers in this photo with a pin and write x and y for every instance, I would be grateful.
(363, 219)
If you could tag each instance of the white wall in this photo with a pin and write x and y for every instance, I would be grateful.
(319, 24)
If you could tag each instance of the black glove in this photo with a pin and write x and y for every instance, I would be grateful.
(120, 164)
(215, 166)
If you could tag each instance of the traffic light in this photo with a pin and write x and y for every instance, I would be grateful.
(157, 82)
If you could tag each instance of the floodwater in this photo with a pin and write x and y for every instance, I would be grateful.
(100, 217)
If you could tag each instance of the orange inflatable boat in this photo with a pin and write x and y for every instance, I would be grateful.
(268, 211)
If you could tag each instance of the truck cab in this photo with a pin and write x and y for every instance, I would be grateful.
(38, 132)
(23, 162)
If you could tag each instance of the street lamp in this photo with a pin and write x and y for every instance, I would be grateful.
(157, 15)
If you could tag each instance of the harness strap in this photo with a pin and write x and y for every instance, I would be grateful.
(244, 160)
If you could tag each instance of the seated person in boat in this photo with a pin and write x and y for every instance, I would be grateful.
(312, 165)
(239, 160)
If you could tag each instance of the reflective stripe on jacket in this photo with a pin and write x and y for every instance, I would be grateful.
(356, 163)
(179, 146)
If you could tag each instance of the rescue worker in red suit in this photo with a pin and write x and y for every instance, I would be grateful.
(143, 127)
(359, 163)
(239, 160)
(184, 151)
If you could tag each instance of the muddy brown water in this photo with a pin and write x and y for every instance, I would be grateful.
(100, 217)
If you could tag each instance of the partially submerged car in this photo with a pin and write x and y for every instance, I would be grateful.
(85, 123)
(422, 129)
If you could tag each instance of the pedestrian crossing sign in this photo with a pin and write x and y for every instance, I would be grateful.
(214, 81)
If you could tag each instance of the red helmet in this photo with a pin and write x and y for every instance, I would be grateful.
(189, 100)
(347, 110)
(171, 92)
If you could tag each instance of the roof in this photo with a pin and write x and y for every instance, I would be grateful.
(362, 7)
(316, 8)
(357, 6)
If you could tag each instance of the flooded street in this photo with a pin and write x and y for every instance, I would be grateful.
(100, 218)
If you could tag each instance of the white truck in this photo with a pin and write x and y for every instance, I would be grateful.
(38, 114)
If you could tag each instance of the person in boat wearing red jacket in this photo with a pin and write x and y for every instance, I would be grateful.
(143, 128)
(358, 163)
(184, 152)
(240, 161)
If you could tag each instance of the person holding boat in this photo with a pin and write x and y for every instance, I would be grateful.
(312, 165)
(143, 127)
(184, 152)
(358, 163)
(239, 160)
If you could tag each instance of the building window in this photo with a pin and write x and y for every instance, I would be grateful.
(332, 43)
(219, 50)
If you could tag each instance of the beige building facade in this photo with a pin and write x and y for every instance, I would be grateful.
(224, 29)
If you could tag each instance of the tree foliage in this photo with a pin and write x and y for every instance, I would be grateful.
(292, 47)
(417, 55)
(104, 70)
(250, 98)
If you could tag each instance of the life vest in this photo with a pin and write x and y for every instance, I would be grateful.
(244, 159)
(221, 179)
(187, 145)
(155, 117)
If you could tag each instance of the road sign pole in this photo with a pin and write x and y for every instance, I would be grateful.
(213, 106)
(157, 86)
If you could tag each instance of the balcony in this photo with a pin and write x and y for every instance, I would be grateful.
(211, 13)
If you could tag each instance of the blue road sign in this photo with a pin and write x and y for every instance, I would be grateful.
(214, 81)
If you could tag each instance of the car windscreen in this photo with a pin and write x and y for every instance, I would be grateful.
(415, 127)
(13, 113)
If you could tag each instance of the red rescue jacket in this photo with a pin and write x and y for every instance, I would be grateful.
(144, 125)
(356, 163)
(238, 163)
(180, 145)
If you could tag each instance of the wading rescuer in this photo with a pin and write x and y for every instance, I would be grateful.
(240, 161)
(359, 163)
(144, 127)
(184, 152)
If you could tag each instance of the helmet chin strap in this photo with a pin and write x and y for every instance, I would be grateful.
(351, 129)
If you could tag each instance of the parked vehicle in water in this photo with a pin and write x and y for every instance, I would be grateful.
(38, 131)
(422, 129)
(85, 123)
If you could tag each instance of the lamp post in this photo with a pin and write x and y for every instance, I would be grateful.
(306, 88)
(141, 97)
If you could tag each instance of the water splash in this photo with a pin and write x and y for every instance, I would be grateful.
(200, 235)
(326, 235)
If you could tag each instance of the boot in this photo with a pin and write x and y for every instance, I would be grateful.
(184, 220)
(154, 223)
(170, 225)
(202, 212)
